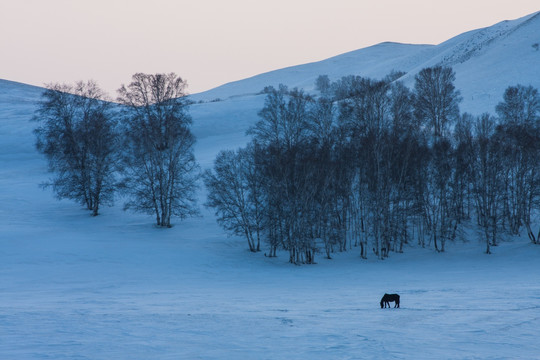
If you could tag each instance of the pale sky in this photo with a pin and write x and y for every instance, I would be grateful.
(212, 42)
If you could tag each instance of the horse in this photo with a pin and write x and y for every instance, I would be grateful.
(387, 298)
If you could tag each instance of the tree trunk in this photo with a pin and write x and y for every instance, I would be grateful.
(531, 234)
(488, 250)
(95, 209)
(248, 237)
(362, 250)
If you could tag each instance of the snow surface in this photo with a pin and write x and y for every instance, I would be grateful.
(116, 287)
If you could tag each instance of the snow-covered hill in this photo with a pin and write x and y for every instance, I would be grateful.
(486, 62)
(115, 287)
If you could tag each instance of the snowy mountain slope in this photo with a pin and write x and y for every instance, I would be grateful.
(115, 287)
(486, 62)
(374, 61)
(507, 60)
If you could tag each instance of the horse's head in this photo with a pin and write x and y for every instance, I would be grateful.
(382, 305)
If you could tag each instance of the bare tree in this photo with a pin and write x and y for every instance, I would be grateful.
(284, 136)
(520, 129)
(520, 106)
(79, 137)
(233, 192)
(465, 157)
(161, 171)
(323, 85)
(436, 99)
(487, 180)
(437, 106)
(365, 114)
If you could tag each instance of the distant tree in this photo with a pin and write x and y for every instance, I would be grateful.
(233, 192)
(438, 196)
(464, 160)
(323, 85)
(519, 113)
(394, 75)
(160, 167)
(487, 180)
(403, 142)
(436, 98)
(520, 106)
(283, 134)
(78, 134)
(436, 105)
(365, 115)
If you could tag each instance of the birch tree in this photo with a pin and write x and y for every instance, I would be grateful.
(78, 134)
(160, 167)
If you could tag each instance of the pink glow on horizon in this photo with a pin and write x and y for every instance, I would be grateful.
(211, 42)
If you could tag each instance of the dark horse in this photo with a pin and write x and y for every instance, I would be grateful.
(387, 298)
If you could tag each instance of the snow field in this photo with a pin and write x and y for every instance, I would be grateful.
(132, 294)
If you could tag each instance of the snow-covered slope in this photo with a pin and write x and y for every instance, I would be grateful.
(374, 61)
(115, 287)
(17, 102)
(486, 61)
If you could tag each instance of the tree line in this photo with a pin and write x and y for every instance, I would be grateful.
(373, 164)
(365, 163)
(141, 146)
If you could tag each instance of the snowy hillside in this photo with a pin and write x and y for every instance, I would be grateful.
(486, 62)
(116, 287)
(491, 59)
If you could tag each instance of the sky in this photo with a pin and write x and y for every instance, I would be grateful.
(212, 42)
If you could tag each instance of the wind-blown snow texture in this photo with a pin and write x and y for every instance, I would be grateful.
(115, 287)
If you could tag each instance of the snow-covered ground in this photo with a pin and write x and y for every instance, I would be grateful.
(116, 287)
